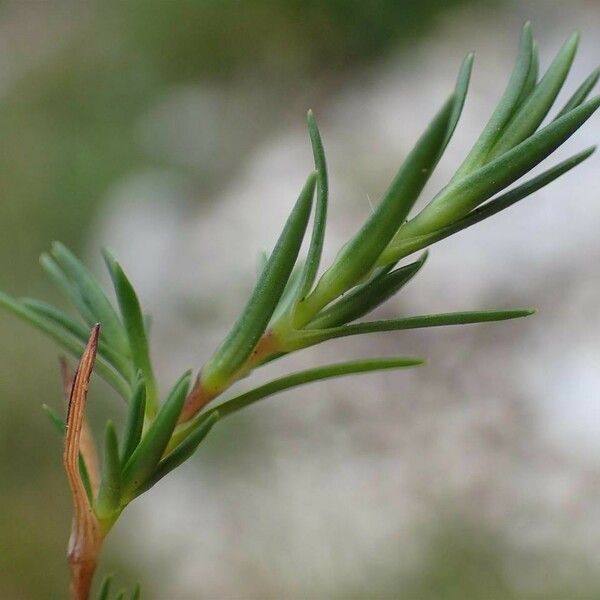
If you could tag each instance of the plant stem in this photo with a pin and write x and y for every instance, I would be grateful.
(199, 396)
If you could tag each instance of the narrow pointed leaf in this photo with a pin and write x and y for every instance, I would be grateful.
(184, 450)
(136, 332)
(135, 420)
(109, 496)
(261, 262)
(310, 375)
(532, 77)
(85, 479)
(65, 340)
(529, 116)
(246, 332)
(477, 156)
(405, 247)
(56, 274)
(290, 293)
(55, 419)
(135, 595)
(310, 338)
(148, 453)
(581, 93)
(458, 198)
(460, 95)
(366, 298)
(358, 256)
(92, 294)
(81, 332)
(315, 250)
(104, 592)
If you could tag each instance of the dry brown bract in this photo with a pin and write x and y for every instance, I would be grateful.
(86, 536)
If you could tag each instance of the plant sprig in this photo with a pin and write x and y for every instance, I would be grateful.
(291, 307)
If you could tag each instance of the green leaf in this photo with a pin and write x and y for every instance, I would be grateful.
(67, 341)
(137, 591)
(149, 451)
(310, 375)
(246, 332)
(261, 262)
(56, 274)
(81, 332)
(290, 294)
(59, 424)
(311, 337)
(529, 116)
(135, 420)
(460, 94)
(363, 299)
(531, 80)
(460, 197)
(195, 436)
(136, 332)
(85, 479)
(506, 107)
(315, 250)
(104, 592)
(358, 256)
(93, 296)
(55, 419)
(407, 246)
(581, 93)
(108, 503)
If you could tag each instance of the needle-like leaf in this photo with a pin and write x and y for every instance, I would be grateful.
(55, 419)
(85, 479)
(93, 296)
(104, 592)
(80, 331)
(581, 93)
(505, 109)
(310, 375)
(135, 420)
(460, 95)
(261, 262)
(460, 197)
(531, 80)
(405, 247)
(529, 116)
(246, 332)
(311, 266)
(363, 299)
(107, 505)
(57, 275)
(358, 256)
(312, 337)
(136, 332)
(184, 450)
(66, 340)
(149, 451)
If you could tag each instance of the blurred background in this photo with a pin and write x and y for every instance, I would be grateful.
(173, 132)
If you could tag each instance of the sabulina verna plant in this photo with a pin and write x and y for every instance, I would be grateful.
(291, 307)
